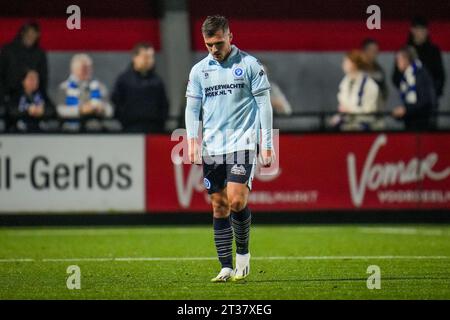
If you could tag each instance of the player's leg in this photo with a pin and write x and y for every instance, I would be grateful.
(223, 235)
(241, 221)
(214, 180)
(239, 179)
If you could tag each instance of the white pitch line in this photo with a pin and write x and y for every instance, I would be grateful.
(128, 259)
(138, 259)
(166, 259)
(95, 233)
(17, 260)
(352, 257)
(403, 231)
(77, 259)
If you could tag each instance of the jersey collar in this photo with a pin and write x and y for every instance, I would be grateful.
(233, 53)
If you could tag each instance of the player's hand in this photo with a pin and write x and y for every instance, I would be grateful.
(267, 157)
(194, 152)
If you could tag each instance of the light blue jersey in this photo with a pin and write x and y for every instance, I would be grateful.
(230, 113)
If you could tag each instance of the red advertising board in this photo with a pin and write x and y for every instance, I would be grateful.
(319, 172)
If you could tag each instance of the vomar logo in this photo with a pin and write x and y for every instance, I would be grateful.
(379, 175)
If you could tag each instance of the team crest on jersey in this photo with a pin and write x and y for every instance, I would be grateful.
(206, 75)
(238, 170)
(238, 73)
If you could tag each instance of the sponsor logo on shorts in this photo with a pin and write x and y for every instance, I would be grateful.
(238, 170)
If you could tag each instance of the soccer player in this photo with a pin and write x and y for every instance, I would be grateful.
(230, 89)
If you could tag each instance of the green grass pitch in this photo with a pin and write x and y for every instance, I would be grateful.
(289, 262)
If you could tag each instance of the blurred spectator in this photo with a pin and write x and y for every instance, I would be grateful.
(370, 49)
(416, 90)
(21, 54)
(428, 53)
(29, 105)
(83, 97)
(280, 104)
(357, 97)
(139, 95)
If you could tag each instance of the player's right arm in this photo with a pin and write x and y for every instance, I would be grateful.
(192, 116)
(194, 97)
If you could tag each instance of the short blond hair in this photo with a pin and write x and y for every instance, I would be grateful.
(79, 59)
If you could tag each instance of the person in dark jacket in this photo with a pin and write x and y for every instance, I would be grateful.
(29, 105)
(429, 54)
(370, 49)
(416, 90)
(139, 94)
(19, 55)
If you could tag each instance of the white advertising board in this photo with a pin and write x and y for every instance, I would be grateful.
(72, 173)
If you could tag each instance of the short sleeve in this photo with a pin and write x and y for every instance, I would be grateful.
(259, 80)
(194, 88)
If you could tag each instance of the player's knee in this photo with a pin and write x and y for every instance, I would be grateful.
(238, 204)
(220, 209)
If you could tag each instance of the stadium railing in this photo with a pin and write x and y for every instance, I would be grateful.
(297, 122)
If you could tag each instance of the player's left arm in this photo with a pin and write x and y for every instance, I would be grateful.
(261, 92)
(266, 122)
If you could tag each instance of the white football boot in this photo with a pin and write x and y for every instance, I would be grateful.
(242, 266)
(224, 275)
